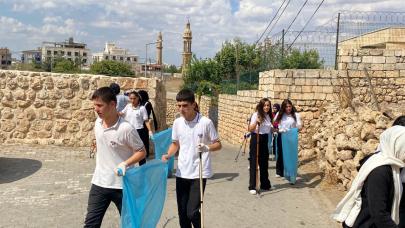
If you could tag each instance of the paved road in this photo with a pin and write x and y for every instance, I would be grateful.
(47, 186)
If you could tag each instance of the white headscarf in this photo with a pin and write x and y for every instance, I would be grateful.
(392, 144)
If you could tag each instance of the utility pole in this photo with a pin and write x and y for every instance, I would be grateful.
(282, 44)
(146, 58)
(237, 66)
(337, 41)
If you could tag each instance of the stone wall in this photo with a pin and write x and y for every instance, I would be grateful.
(233, 111)
(49, 108)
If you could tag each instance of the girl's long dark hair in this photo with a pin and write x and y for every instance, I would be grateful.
(282, 110)
(259, 109)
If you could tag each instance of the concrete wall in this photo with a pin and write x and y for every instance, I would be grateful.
(49, 108)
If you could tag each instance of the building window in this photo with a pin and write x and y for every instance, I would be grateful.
(70, 59)
(84, 60)
(84, 53)
(55, 52)
(69, 53)
(128, 58)
(62, 53)
(106, 57)
(135, 59)
(76, 53)
(48, 52)
(114, 57)
(122, 58)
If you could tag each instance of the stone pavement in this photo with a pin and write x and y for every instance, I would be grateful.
(47, 186)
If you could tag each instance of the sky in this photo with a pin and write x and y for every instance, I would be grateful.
(25, 24)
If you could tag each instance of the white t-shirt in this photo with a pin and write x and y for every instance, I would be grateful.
(135, 115)
(114, 145)
(265, 127)
(287, 121)
(187, 134)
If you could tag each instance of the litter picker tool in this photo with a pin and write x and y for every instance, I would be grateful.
(201, 184)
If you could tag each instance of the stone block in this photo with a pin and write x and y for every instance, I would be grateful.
(346, 59)
(357, 59)
(400, 66)
(378, 59)
(376, 52)
(367, 59)
(324, 82)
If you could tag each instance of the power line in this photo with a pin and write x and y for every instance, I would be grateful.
(268, 33)
(319, 6)
(295, 18)
(271, 21)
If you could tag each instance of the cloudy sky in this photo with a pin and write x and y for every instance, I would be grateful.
(24, 24)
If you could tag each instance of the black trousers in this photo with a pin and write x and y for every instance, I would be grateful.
(99, 200)
(144, 135)
(263, 161)
(188, 201)
(280, 161)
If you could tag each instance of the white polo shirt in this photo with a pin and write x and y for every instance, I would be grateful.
(135, 115)
(114, 145)
(265, 127)
(186, 133)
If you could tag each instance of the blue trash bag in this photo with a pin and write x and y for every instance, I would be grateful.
(289, 142)
(144, 194)
(161, 142)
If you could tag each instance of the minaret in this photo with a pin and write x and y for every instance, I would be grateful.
(159, 47)
(187, 36)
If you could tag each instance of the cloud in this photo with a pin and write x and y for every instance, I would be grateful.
(133, 23)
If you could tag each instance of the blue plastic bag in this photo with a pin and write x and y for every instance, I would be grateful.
(289, 142)
(144, 195)
(161, 142)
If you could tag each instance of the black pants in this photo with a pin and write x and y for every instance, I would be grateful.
(280, 161)
(188, 201)
(263, 161)
(99, 200)
(144, 135)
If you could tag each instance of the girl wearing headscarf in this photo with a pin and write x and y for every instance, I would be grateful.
(374, 197)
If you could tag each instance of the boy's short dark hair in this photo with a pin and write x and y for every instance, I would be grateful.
(185, 95)
(399, 121)
(106, 94)
(115, 88)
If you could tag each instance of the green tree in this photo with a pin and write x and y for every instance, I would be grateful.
(302, 60)
(62, 65)
(171, 69)
(111, 68)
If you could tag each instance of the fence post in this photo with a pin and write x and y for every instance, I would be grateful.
(337, 42)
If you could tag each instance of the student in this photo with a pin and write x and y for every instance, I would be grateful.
(261, 117)
(136, 115)
(286, 118)
(149, 108)
(122, 100)
(118, 146)
(374, 197)
(186, 136)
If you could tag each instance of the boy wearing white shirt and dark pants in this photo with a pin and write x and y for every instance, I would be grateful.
(192, 134)
(118, 146)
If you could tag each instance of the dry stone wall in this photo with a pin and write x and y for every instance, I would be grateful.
(49, 108)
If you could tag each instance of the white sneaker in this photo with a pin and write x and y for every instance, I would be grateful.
(253, 192)
(278, 176)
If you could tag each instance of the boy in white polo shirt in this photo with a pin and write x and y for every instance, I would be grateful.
(118, 146)
(186, 136)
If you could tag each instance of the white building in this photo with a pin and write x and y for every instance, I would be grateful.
(114, 53)
(31, 56)
(67, 50)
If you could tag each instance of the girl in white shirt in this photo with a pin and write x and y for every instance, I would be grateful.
(137, 116)
(287, 118)
(261, 117)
